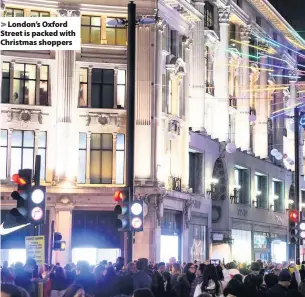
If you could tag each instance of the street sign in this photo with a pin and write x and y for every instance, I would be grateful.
(35, 248)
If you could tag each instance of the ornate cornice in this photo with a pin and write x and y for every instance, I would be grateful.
(224, 14)
(161, 24)
(245, 32)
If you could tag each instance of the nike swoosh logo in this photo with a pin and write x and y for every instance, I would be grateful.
(5, 231)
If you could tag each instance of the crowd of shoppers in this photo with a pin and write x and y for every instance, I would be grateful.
(143, 279)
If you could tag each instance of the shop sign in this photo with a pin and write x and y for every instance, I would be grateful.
(196, 204)
(278, 220)
(34, 246)
(242, 212)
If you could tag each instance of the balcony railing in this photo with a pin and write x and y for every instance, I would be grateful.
(233, 102)
(210, 88)
(175, 183)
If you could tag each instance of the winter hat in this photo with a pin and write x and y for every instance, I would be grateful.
(284, 276)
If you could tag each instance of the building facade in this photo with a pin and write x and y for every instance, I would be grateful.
(208, 81)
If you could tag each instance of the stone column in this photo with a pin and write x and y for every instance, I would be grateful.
(63, 224)
(221, 117)
(145, 244)
(9, 154)
(243, 103)
(261, 129)
(289, 122)
(197, 100)
(160, 65)
(88, 158)
(114, 139)
(279, 121)
(66, 105)
(185, 128)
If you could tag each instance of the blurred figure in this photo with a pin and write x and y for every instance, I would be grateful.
(10, 290)
(74, 291)
(184, 281)
(110, 284)
(158, 286)
(119, 264)
(234, 288)
(199, 278)
(143, 293)
(141, 279)
(85, 278)
(126, 279)
(59, 282)
(253, 285)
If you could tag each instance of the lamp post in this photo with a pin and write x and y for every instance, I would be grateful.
(297, 173)
(131, 80)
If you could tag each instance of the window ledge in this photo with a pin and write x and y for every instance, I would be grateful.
(100, 186)
(23, 106)
(104, 46)
(86, 110)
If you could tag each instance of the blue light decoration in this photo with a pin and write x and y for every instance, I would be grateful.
(302, 119)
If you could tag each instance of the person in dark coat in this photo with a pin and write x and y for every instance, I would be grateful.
(184, 281)
(281, 289)
(158, 287)
(141, 280)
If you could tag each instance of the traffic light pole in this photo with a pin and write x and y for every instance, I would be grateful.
(131, 85)
(297, 173)
(37, 183)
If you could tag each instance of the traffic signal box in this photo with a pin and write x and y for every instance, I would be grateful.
(31, 200)
(58, 243)
(130, 216)
(122, 210)
(293, 224)
(136, 216)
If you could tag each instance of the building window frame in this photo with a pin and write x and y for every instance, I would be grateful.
(278, 190)
(83, 82)
(22, 148)
(13, 10)
(208, 15)
(7, 79)
(39, 80)
(243, 193)
(82, 147)
(4, 148)
(92, 26)
(42, 146)
(116, 29)
(40, 13)
(261, 192)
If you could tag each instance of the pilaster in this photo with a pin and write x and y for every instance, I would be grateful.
(114, 139)
(66, 105)
(145, 244)
(279, 121)
(221, 117)
(289, 122)
(37, 96)
(63, 224)
(261, 128)
(243, 103)
(9, 153)
(198, 79)
(88, 158)
(161, 25)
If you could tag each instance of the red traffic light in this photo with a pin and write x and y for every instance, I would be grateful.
(294, 216)
(119, 196)
(18, 180)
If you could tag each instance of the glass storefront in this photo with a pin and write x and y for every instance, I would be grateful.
(197, 237)
(241, 246)
(171, 230)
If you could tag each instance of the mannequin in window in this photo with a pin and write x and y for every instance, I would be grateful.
(197, 251)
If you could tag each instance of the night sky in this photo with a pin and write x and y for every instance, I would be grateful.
(293, 11)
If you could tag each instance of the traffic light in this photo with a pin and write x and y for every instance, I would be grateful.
(58, 244)
(31, 201)
(24, 181)
(136, 216)
(293, 223)
(37, 205)
(122, 210)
